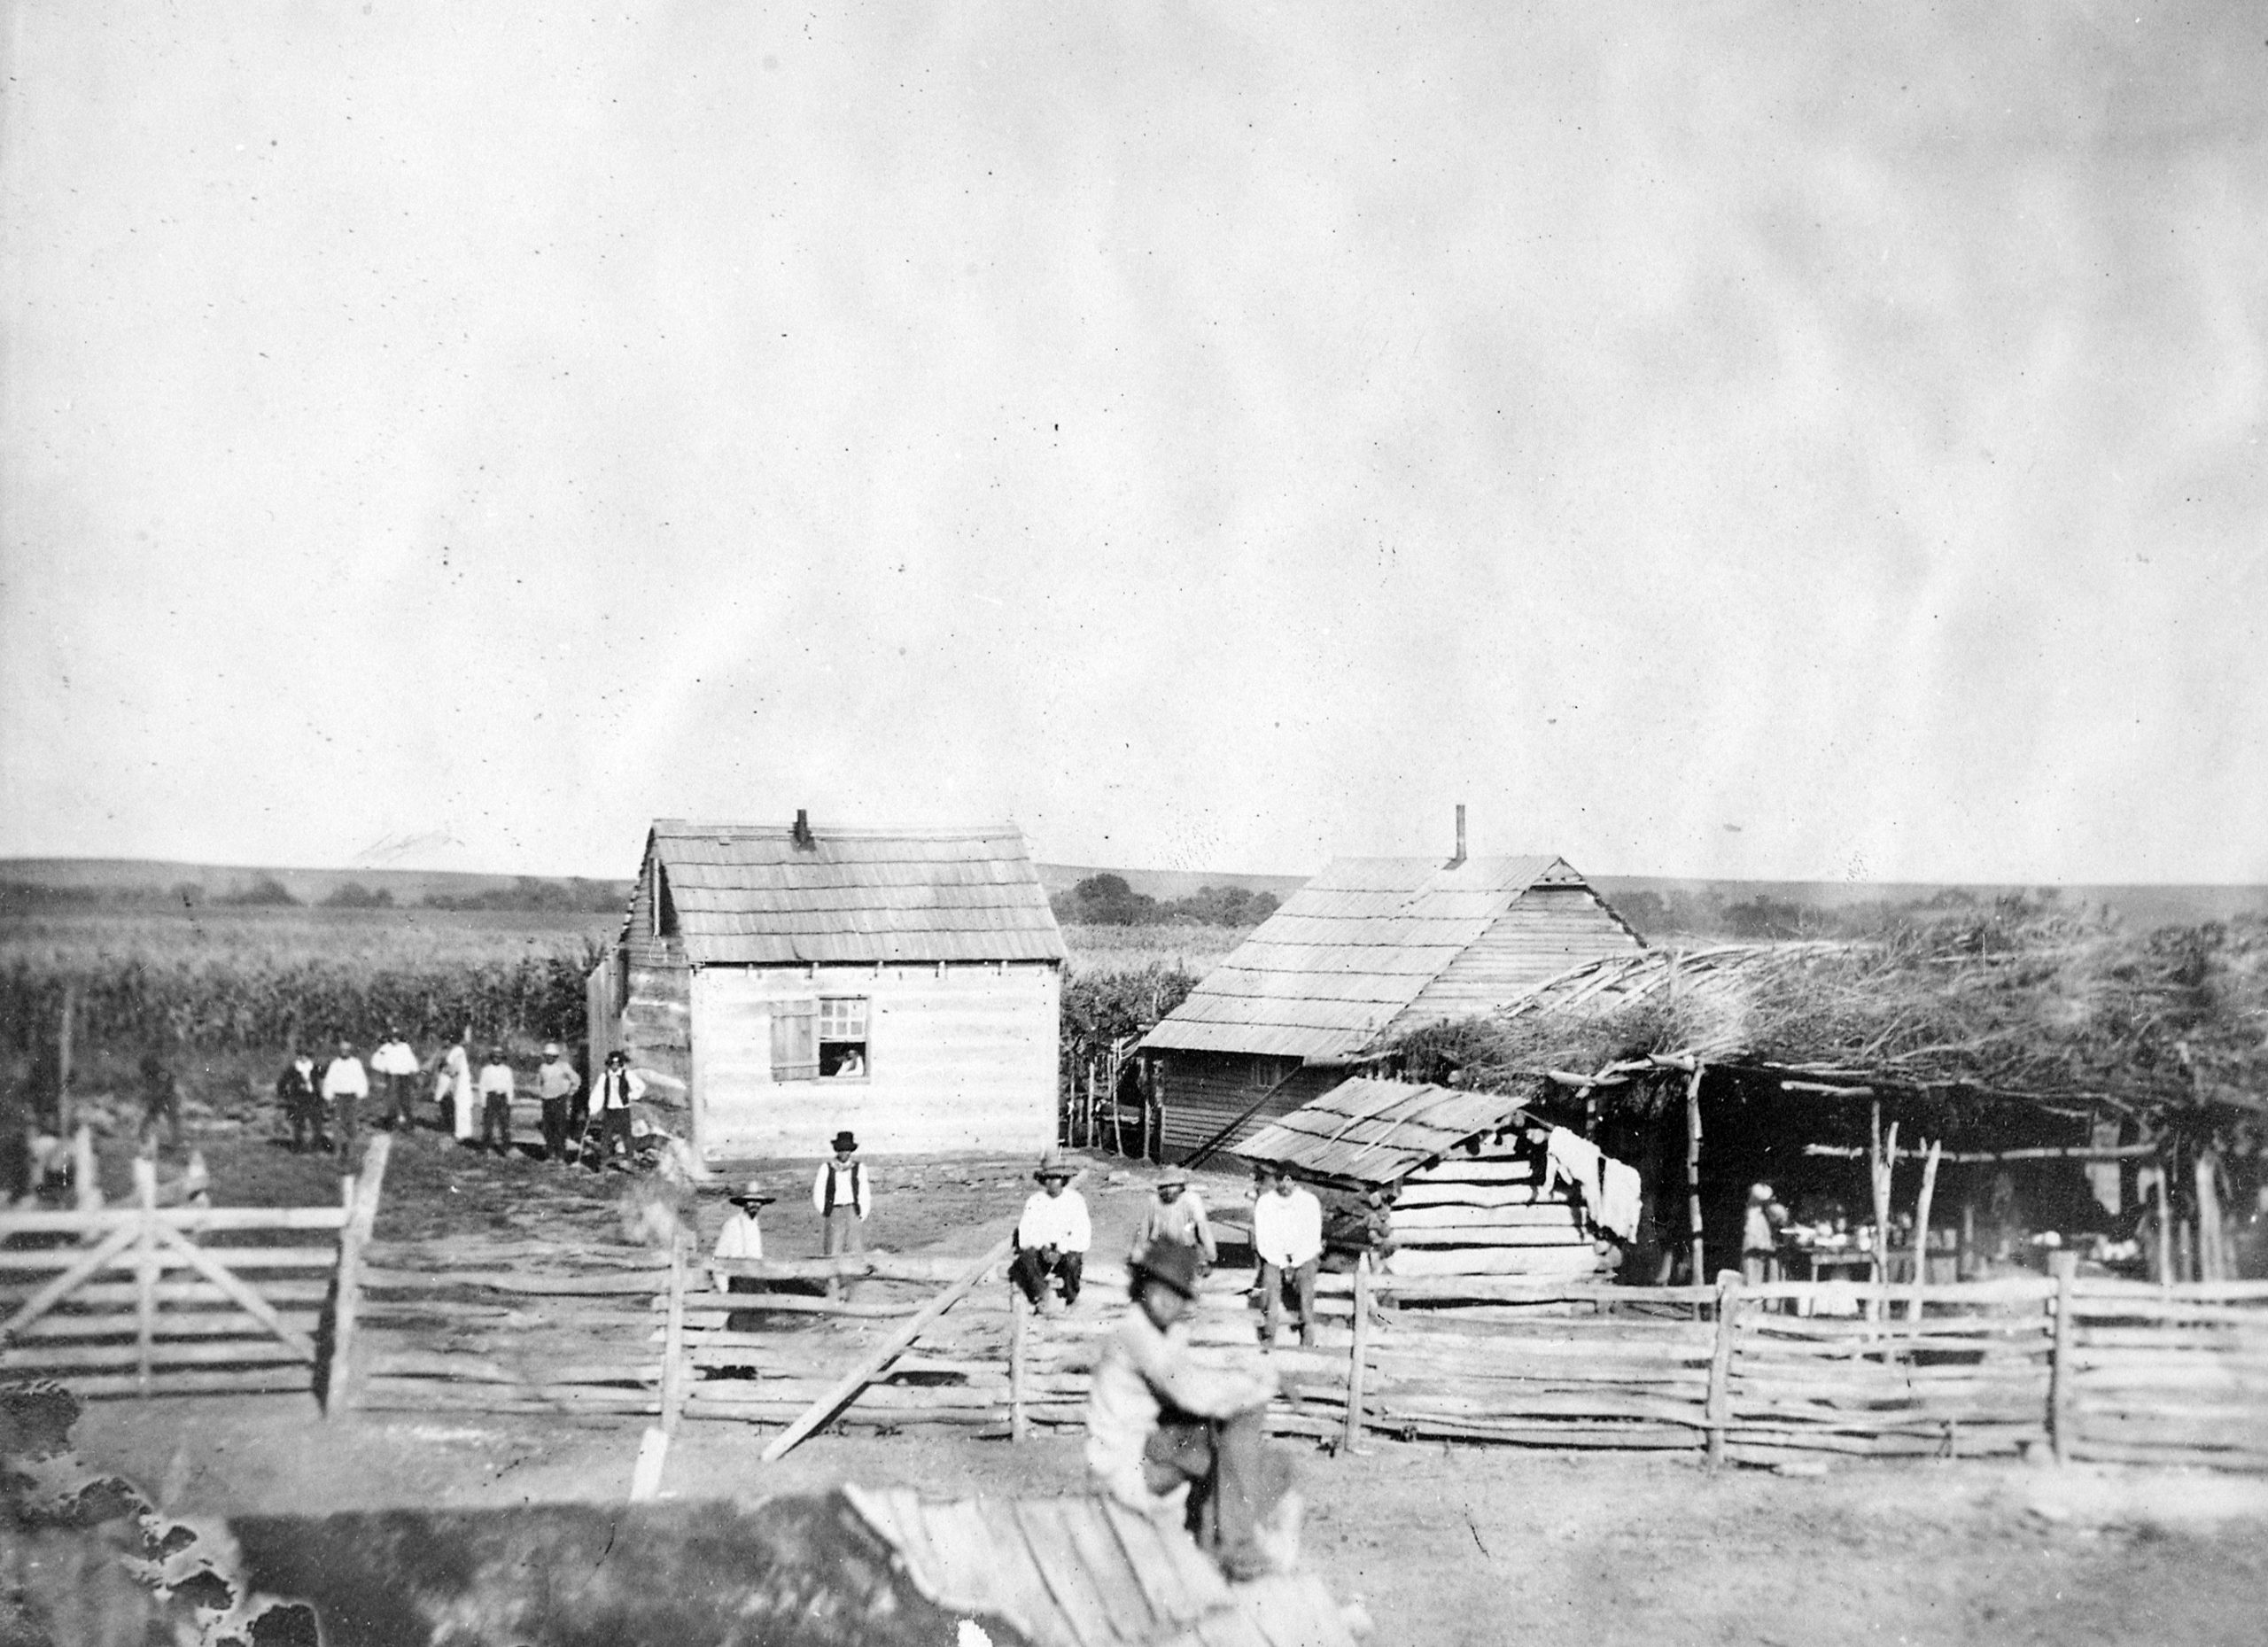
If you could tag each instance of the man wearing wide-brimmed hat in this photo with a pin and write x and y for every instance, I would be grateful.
(740, 1238)
(1053, 1234)
(1159, 1421)
(1176, 1215)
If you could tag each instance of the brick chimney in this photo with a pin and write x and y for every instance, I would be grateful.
(805, 842)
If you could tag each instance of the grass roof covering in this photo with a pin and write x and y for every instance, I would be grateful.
(2023, 999)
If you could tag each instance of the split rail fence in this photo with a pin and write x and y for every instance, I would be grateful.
(2093, 1369)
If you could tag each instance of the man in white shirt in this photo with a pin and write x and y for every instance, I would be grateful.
(395, 1064)
(346, 1084)
(497, 1084)
(1158, 1418)
(555, 1086)
(1288, 1238)
(741, 1237)
(617, 1087)
(1053, 1236)
(841, 1197)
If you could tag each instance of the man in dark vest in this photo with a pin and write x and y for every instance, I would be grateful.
(617, 1087)
(841, 1197)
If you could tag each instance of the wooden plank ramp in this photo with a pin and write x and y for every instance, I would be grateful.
(1083, 1572)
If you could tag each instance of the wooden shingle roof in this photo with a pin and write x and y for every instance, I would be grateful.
(1086, 1572)
(749, 894)
(1373, 1132)
(1347, 952)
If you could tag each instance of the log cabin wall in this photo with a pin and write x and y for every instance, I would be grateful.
(958, 1057)
(1488, 1214)
(1202, 1093)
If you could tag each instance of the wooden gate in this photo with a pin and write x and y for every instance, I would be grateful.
(155, 1300)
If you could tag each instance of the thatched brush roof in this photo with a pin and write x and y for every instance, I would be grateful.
(2016, 1001)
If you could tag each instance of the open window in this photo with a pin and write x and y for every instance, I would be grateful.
(843, 1037)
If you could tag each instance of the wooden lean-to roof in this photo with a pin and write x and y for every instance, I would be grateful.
(1349, 953)
(1371, 1132)
(752, 895)
(1083, 1572)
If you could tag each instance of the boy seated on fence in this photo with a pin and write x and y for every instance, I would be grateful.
(1167, 1433)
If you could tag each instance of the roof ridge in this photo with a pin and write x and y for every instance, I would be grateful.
(927, 832)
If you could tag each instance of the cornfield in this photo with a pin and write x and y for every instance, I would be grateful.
(253, 1007)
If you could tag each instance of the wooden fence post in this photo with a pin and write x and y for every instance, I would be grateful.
(1351, 1442)
(146, 1271)
(2065, 1268)
(673, 1367)
(1720, 1364)
(2165, 1220)
(1018, 1326)
(362, 1195)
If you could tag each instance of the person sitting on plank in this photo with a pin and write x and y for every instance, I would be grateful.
(1165, 1432)
(1053, 1236)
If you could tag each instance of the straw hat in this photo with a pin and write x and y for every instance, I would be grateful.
(1171, 1263)
(752, 1194)
(1173, 1175)
(552, 1049)
(1053, 1165)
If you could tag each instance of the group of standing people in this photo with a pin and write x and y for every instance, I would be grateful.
(322, 1106)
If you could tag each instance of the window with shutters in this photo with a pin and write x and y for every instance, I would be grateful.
(843, 1037)
(795, 1040)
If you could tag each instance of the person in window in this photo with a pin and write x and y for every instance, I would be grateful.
(853, 1063)
(1053, 1236)
(611, 1096)
(841, 1197)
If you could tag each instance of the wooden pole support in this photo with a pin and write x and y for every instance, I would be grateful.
(361, 1196)
(86, 1176)
(145, 1271)
(2065, 1268)
(1718, 1411)
(1922, 1231)
(1019, 1326)
(2165, 1220)
(1358, 1363)
(1693, 1169)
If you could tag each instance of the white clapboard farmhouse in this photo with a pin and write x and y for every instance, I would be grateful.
(1369, 949)
(776, 983)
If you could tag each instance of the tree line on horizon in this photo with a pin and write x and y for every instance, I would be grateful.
(1106, 900)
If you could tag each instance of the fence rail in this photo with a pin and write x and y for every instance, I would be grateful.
(2097, 1369)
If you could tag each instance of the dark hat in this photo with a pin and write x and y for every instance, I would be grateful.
(618, 1056)
(845, 1143)
(751, 1194)
(1171, 1263)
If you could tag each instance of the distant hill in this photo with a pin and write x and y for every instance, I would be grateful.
(1167, 883)
(29, 884)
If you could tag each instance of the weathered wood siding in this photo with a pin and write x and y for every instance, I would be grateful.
(1203, 1093)
(959, 1057)
(654, 984)
(1547, 930)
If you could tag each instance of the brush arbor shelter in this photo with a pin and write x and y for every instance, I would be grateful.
(1368, 951)
(1472, 1191)
(775, 983)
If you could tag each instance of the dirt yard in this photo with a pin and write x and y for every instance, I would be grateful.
(1443, 1545)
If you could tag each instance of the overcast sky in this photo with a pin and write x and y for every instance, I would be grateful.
(1768, 439)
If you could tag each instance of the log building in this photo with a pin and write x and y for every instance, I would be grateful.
(1369, 949)
(774, 983)
(1472, 1192)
